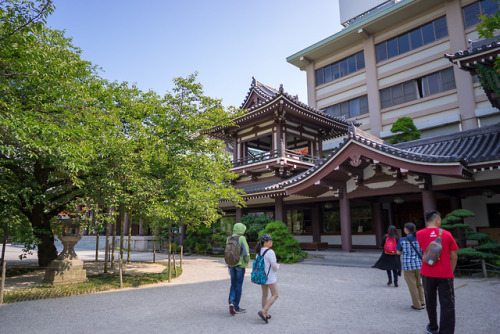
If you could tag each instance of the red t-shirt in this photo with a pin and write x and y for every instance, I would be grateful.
(442, 268)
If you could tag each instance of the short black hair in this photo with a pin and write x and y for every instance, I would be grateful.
(431, 215)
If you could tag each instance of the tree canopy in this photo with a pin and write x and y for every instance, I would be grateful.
(67, 134)
(405, 130)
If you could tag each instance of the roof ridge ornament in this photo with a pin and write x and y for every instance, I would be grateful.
(281, 89)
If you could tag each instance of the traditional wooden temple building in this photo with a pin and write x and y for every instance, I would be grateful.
(336, 186)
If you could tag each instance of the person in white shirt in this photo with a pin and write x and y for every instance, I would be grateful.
(271, 267)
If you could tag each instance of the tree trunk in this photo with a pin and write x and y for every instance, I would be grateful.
(129, 237)
(122, 230)
(42, 230)
(113, 245)
(4, 242)
(169, 249)
(106, 251)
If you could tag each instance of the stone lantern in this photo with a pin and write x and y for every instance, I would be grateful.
(67, 268)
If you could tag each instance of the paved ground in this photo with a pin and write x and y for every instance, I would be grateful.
(314, 298)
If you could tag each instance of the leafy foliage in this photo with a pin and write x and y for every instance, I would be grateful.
(285, 246)
(488, 26)
(255, 224)
(70, 138)
(405, 130)
(487, 249)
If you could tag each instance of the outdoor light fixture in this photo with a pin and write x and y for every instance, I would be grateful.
(488, 193)
(328, 205)
(398, 200)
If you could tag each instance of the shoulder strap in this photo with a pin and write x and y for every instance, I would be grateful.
(416, 251)
(265, 261)
(440, 233)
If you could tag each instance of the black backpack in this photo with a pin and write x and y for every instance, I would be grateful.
(232, 251)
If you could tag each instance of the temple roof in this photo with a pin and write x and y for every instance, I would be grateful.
(264, 101)
(476, 145)
(484, 51)
(454, 150)
(263, 91)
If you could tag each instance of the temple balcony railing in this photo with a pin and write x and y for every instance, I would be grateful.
(290, 155)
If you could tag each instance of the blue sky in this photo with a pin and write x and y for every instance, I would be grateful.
(149, 42)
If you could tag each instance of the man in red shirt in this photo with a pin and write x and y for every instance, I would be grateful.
(439, 277)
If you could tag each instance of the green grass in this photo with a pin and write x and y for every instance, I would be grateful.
(97, 283)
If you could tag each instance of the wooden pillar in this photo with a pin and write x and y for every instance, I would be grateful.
(279, 209)
(239, 214)
(316, 224)
(377, 222)
(235, 150)
(345, 223)
(428, 199)
(391, 213)
(455, 203)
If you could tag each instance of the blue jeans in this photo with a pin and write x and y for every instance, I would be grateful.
(394, 273)
(237, 275)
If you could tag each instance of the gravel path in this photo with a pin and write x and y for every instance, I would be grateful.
(313, 299)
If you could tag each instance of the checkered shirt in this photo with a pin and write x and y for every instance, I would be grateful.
(409, 257)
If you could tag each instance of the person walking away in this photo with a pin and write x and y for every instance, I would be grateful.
(389, 260)
(411, 254)
(271, 267)
(439, 277)
(237, 271)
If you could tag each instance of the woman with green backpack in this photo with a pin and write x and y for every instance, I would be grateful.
(271, 267)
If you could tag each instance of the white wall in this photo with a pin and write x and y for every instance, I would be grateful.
(477, 204)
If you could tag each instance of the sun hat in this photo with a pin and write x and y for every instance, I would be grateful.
(265, 237)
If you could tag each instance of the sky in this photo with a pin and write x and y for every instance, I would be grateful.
(150, 42)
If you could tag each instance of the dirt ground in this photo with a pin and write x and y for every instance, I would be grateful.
(35, 277)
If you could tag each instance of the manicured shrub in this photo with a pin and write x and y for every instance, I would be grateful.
(285, 246)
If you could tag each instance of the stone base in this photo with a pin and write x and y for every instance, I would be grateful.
(65, 271)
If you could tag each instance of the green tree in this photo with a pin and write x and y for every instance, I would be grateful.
(44, 90)
(255, 224)
(405, 130)
(487, 28)
(67, 135)
(486, 247)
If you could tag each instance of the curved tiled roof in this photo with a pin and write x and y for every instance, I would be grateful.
(269, 94)
(486, 46)
(476, 145)
(265, 92)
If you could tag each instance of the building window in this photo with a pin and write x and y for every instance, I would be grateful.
(473, 11)
(331, 219)
(341, 68)
(361, 219)
(425, 34)
(299, 221)
(417, 88)
(348, 109)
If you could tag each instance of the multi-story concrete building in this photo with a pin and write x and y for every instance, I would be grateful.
(388, 62)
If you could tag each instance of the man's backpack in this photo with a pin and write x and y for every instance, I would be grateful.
(259, 275)
(433, 251)
(232, 251)
(390, 246)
